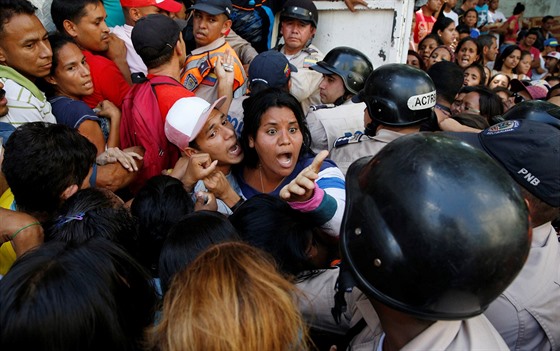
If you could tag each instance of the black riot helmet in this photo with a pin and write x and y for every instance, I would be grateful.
(535, 110)
(303, 10)
(398, 95)
(349, 64)
(433, 227)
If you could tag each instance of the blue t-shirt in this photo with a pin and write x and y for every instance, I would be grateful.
(74, 112)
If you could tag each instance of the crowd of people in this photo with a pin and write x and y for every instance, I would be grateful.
(172, 180)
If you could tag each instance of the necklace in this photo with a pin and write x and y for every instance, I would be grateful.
(262, 184)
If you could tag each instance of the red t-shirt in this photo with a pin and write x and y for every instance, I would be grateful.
(108, 81)
(167, 95)
(423, 27)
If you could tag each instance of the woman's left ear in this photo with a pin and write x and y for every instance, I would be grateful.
(251, 142)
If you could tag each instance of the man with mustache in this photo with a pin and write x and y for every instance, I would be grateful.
(84, 21)
(298, 24)
(25, 55)
(211, 24)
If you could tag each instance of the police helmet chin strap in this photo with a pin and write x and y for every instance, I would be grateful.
(371, 128)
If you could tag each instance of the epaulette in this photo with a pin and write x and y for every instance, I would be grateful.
(349, 138)
(309, 50)
(321, 106)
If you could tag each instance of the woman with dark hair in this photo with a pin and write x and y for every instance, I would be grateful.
(514, 24)
(158, 206)
(524, 66)
(193, 234)
(67, 296)
(95, 213)
(294, 239)
(468, 51)
(499, 80)
(414, 59)
(68, 82)
(507, 60)
(278, 159)
(474, 75)
(445, 30)
(427, 45)
(482, 101)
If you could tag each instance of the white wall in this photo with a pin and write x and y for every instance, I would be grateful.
(533, 8)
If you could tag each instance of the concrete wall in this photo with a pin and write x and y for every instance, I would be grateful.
(533, 8)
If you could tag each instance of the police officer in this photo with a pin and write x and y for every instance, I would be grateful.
(433, 231)
(298, 24)
(344, 71)
(399, 98)
(527, 145)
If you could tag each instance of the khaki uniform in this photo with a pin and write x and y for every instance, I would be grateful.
(471, 334)
(349, 149)
(527, 314)
(305, 82)
(327, 122)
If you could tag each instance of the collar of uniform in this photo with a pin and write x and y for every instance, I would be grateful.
(212, 46)
(310, 50)
(386, 135)
(541, 234)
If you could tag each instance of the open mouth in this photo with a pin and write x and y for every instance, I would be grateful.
(235, 150)
(285, 159)
(2, 94)
(88, 84)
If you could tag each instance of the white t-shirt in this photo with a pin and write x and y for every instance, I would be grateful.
(453, 15)
(134, 61)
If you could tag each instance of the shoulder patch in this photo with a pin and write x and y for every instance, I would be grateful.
(502, 127)
(348, 138)
(190, 82)
(309, 61)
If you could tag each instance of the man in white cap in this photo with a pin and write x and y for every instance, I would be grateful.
(204, 135)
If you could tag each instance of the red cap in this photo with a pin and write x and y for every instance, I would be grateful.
(166, 5)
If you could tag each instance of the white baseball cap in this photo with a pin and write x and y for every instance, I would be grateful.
(186, 118)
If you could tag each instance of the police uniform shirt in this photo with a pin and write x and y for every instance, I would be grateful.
(327, 122)
(305, 82)
(348, 149)
(527, 313)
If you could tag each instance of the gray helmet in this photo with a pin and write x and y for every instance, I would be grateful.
(303, 10)
(433, 227)
(398, 95)
(349, 64)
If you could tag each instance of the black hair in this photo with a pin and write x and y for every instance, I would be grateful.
(65, 296)
(546, 18)
(448, 79)
(476, 43)
(503, 90)
(256, 106)
(501, 57)
(472, 120)
(490, 103)
(431, 36)
(158, 205)
(193, 234)
(463, 29)
(486, 40)
(41, 160)
(441, 24)
(270, 224)
(464, 15)
(553, 88)
(519, 8)
(10, 8)
(480, 69)
(534, 31)
(95, 212)
(420, 59)
(57, 41)
(72, 10)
